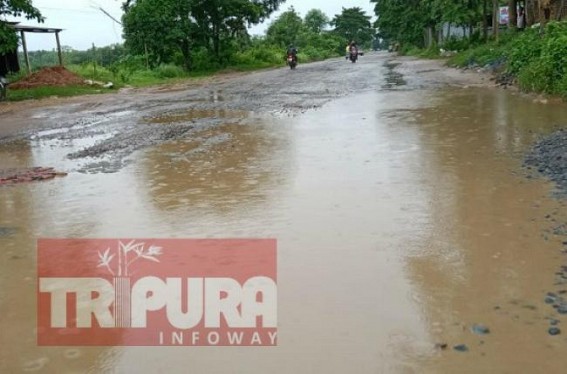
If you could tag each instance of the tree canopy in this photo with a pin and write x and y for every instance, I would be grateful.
(160, 29)
(286, 28)
(353, 24)
(315, 20)
(15, 8)
(406, 20)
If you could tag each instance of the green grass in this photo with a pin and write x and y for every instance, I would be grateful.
(481, 55)
(44, 92)
(427, 53)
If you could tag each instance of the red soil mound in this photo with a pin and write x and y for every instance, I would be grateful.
(52, 76)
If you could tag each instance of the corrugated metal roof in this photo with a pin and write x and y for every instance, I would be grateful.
(37, 29)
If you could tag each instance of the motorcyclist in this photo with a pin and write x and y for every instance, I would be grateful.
(291, 50)
(353, 48)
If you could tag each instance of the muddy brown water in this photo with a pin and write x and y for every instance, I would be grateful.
(402, 218)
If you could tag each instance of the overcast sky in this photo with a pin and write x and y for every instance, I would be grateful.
(84, 24)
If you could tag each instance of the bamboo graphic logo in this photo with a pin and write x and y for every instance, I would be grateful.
(157, 292)
(123, 253)
(126, 255)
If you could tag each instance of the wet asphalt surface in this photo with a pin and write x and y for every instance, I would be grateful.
(119, 125)
(114, 126)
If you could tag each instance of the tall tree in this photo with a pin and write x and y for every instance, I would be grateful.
(163, 26)
(400, 20)
(512, 14)
(15, 8)
(286, 28)
(406, 20)
(227, 18)
(495, 19)
(316, 21)
(353, 24)
(158, 29)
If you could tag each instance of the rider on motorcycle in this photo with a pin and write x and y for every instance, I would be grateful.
(291, 50)
(353, 48)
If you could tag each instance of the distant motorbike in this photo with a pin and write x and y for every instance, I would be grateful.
(292, 61)
(353, 55)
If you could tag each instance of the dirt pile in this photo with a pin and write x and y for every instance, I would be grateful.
(11, 176)
(51, 76)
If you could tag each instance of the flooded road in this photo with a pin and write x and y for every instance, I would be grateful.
(402, 215)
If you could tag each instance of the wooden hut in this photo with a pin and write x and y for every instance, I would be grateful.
(9, 61)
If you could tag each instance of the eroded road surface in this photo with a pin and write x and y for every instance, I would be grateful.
(394, 188)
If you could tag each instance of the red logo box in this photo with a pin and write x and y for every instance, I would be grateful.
(157, 292)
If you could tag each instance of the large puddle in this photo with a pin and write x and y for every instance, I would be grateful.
(402, 219)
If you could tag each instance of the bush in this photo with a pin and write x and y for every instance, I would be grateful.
(92, 71)
(169, 71)
(524, 50)
(487, 54)
(312, 54)
(541, 61)
(535, 77)
(554, 53)
(243, 58)
(562, 87)
(203, 60)
(127, 66)
(455, 44)
(259, 56)
(409, 50)
(431, 52)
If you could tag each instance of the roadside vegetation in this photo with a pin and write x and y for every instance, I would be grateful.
(536, 58)
(166, 40)
(530, 50)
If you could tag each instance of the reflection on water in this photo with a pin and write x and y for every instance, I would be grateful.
(484, 259)
(399, 219)
(222, 169)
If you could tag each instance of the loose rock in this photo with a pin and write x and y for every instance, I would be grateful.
(548, 157)
(441, 346)
(480, 329)
(461, 348)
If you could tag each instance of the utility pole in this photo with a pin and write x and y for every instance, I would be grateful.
(512, 14)
(94, 62)
(484, 20)
(495, 18)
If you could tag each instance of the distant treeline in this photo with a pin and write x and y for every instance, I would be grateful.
(104, 56)
(200, 43)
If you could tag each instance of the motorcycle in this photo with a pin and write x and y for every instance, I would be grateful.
(291, 61)
(353, 56)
